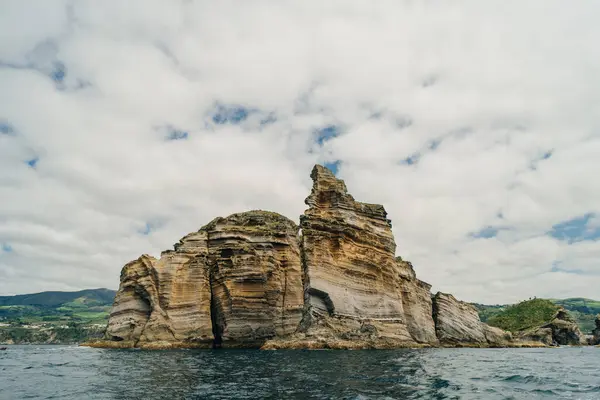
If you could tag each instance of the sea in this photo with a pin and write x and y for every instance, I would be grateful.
(72, 372)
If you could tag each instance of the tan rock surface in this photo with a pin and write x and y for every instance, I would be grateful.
(457, 323)
(240, 275)
(252, 280)
(256, 277)
(416, 301)
(354, 286)
(166, 299)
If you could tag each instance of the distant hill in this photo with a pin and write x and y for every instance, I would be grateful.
(525, 315)
(51, 299)
(583, 310)
(54, 317)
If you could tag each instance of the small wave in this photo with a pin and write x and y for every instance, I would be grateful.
(543, 391)
(527, 379)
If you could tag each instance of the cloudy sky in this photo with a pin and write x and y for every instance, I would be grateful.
(125, 125)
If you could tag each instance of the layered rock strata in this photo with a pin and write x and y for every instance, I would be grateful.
(561, 330)
(235, 282)
(256, 279)
(418, 307)
(355, 287)
(457, 324)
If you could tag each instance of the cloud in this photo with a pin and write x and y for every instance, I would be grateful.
(126, 125)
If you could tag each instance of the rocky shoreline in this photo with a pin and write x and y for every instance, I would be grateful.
(258, 280)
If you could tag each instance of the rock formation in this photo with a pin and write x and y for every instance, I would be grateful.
(457, 324)
(256, 279)
(354, 284)
(237, 281)
(418, 307)
(561, 330)
(596, 332)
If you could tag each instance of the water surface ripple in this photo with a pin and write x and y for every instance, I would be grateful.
(70, 372)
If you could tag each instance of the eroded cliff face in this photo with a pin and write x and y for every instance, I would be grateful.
(353, 283)
(236, 282)
(457, 324)
(166, 300)
(418, 307)
(256, 279)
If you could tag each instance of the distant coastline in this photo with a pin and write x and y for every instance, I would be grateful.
(55, 317)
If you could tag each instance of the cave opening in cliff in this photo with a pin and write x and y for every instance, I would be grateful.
(216, 316)
(215, 320)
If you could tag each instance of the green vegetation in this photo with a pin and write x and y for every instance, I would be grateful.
(486, 312)
(524, 315)
(88, 296)
(583, 310)
(54, 317)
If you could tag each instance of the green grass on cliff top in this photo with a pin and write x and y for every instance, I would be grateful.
(524, 315)
(583, 310)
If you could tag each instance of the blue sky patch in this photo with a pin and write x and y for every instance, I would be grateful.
(7, 248)
(333, 166)
(59, 71)
(556, 267)
(485, 233)
(269, 119)
(575, 230)
(176, 134)
(32, 162)
(327, 133)
(434, 144)
(230, 114)
(6, 128)
(534, 163)
(148, 228)
(411, 160)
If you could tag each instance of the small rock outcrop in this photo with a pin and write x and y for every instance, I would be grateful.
(561, 330)
(256, 279)
(457, 324)
(565, 330)
(596, 332)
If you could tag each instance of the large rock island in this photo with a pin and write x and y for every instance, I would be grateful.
(256, 279)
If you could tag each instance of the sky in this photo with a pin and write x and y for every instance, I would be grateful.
(126, 125)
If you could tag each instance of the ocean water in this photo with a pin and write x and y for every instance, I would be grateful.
(71, 372)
